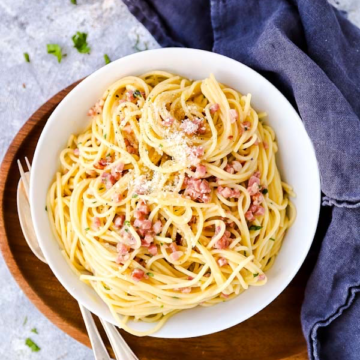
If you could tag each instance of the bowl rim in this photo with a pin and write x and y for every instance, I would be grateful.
(81, 87)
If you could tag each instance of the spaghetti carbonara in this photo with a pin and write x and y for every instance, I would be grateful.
(171, 198)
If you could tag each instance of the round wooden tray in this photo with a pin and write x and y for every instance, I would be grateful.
(273, 334)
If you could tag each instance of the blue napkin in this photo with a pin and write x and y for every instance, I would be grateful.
(309, 51)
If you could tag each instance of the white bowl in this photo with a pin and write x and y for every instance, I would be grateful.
(296, 161)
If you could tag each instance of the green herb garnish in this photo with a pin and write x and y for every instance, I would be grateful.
(87, 229)
(135, 196)
(137, 93)
(175, 297)
(272, 239)
(264, 191)
(107, 59)
(55, 49)
(80, 43)
(255, 275)
(161, 306)
(150, 274)
(255, 227)
(106, 288)
(27, 57)
(161, 145)
(161, 244)
(32, 345)
(105, 135)
(101, 188)
(34, 330)
(127, 223)
(127, 230)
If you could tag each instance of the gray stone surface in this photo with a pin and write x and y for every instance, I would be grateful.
(27, 26)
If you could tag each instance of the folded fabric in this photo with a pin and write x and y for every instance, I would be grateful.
(311, 52)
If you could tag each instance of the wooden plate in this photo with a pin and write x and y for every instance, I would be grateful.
(273, 334)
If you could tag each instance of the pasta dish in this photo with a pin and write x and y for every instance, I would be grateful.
(171, 198)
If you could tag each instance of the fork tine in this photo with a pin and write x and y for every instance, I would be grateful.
(28, 163)
(23, 178)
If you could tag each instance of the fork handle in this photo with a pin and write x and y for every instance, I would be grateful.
(99, 349)
(121, 349)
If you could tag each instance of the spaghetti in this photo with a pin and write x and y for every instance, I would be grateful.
(171, 198)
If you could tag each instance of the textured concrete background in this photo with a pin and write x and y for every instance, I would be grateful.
(27, 26)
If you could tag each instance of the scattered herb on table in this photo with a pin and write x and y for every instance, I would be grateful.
(73, 2)
(80, 43)
(107, 59)
(34, 330)
(34, 347)
(25, 321)
(27, 57)
(55, 49)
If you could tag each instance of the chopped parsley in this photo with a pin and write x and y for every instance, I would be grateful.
(127, 223)
(34, 347)
(161, 306)
(27, 57)
(101, 188)
(150, 274)
(175, 297)
(161, 244)
(34, 330)
(264, 191)
(107, 59)
(272, 239)
(87, 229)
(255, 227)
(105, 135)
(137, 93)
(25, 321)
(135, 196)
(255, 275)
(161, 145)
(55, 49)
(106, 288)
(80, 43)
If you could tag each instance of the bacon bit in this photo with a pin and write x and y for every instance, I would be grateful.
(130, 95)
(91, 172)
(142, 224)
(76, 152)
(253, 189)
(224, 242)
(249, 216)
(122, 248)
(116, 197)
(97, 108)
(214, 108)
(173, 247)
(168, 122)
(260, 211)
(257, 142)
(261, 277)
(229, 169)
(102, 163)
(137, 275)
(96, 222)
(153, 249)
(222, 262)
(233, 115)
(198, 189)
(226, 296)
(192, 220)
(200, 171)
(246, 125)
(108, 180)
(190, 278)
(128, 129)
(139, 215)
(227, 192)
(119, 221)
(236, 165)
(157, 227)
(117, 170)
(207, 275)
(122, 101)
(129, 147)
(266, 145)
(176, 255)
(230, 137)
(258, 198)
(186, 290)
(143, 207)
(121, 259)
